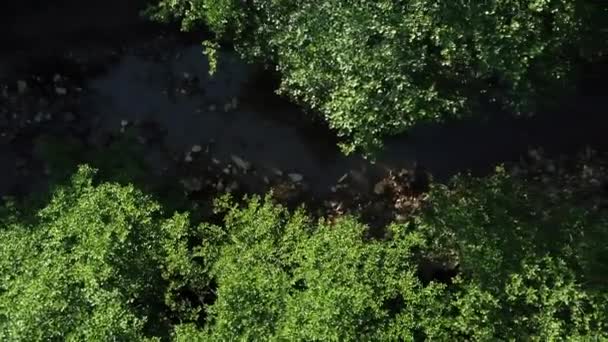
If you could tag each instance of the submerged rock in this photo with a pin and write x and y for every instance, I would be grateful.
(295, 177)
(234, 103)
(535, 154)
(188, 158)
(61, 91)
(21, 86)
(69, 117)
(240, 162)
(38, 117)
(192, 184)
(232, 186)
(380, 187)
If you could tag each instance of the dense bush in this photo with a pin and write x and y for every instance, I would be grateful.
(100, 262)
(281, 276)
(376, 67)
(532, 266)
(95, 265)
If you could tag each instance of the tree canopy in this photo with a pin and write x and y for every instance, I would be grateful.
(93, 265)
(103, 262)
(374, 68)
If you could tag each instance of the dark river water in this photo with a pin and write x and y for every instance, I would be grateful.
(260, 128)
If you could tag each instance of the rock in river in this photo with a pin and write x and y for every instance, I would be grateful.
(240, 162)
(61, 91)
(188, 158)
(380, 187)
(21, 86)
(192, 184)
(295, 177)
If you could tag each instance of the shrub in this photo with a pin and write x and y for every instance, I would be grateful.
(531, 265)
(95, 265)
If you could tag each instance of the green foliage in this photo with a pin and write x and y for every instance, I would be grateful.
(377, 67)
(281, 276)
(531, 267)
(528, 271)
(211, 51)
(90, 267)
(100, 262)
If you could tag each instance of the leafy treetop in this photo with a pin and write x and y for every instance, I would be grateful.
(373, 68)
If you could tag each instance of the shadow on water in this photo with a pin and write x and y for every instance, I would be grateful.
(58, 24)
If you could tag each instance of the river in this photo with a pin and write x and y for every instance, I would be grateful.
(262, 128)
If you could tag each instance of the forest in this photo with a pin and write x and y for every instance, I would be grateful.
(110, 233)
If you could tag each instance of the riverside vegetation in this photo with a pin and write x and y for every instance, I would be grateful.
(519, 254)
(103, 261)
